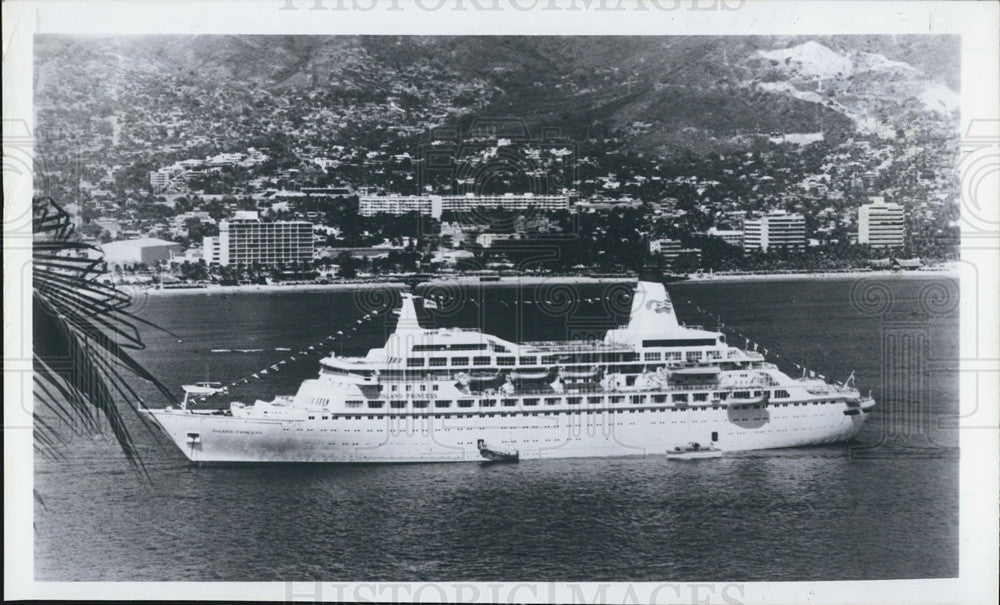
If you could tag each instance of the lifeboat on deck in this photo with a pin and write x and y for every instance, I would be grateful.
(543, 374)
(580, 374)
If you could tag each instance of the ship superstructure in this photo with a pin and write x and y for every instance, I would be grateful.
(444, 394)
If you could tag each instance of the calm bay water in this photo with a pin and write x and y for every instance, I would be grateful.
(885, 506)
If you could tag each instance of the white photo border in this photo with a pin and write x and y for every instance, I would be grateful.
(975, 22)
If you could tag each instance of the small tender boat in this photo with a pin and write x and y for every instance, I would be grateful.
(490, 455)
(694, 451)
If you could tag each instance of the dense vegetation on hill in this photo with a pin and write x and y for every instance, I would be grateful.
(714, 124)
(581, 85)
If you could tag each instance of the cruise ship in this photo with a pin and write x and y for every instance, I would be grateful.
(651, 387)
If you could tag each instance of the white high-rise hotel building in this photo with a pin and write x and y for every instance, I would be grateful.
(246, 240)
(881, 224)
(774, 230)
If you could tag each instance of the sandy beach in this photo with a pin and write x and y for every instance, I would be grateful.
(529, 280)
(948, 271)
(269, 288)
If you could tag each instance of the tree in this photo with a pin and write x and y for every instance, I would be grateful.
(76, 317)
(347, 264)
(197, 230)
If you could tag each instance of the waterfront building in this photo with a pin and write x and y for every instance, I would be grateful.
(730, 236)
(774, 230)
(141, 251)
(246, 240)
(670, 250)
(881, 224)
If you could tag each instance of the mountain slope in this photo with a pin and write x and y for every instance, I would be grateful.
(653, 92)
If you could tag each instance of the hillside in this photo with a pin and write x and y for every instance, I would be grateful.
(718, 87)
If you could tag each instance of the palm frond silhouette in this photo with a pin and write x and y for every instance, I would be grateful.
(83, 338)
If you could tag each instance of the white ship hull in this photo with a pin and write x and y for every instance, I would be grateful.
(646, 389)
(595, 433)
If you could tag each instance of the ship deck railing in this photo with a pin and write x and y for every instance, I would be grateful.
(453, 373)
(598, 389)
(568, 346)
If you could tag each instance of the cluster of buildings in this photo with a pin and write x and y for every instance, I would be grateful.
(435, 205)
(246, 240)
(176, 177)
(881, 224)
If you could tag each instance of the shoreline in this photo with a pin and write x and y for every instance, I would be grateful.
(269, 288)
(469, 280)
(950, 271)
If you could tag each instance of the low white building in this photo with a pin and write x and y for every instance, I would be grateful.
(147, 251)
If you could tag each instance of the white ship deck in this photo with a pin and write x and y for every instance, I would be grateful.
(430, 395)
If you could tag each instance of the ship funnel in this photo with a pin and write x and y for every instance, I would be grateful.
(407, 316)
(651, 309)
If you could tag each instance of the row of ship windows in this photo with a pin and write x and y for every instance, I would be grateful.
(423, 388)
(634, 411)
(486, 360)
(265, 236)
(533, 401)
